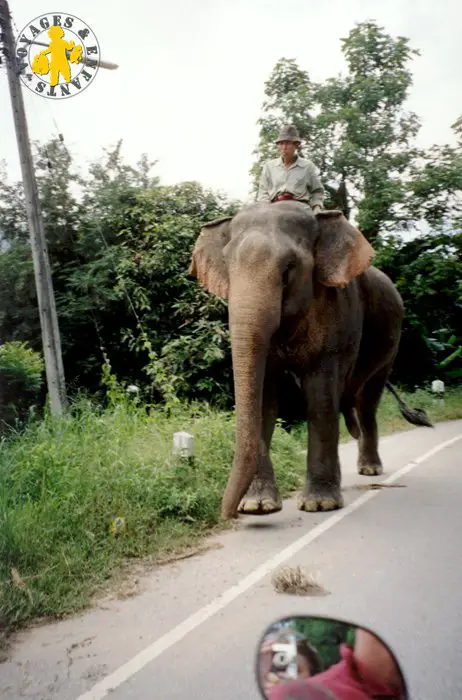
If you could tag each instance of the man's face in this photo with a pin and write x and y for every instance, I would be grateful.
(287, 149)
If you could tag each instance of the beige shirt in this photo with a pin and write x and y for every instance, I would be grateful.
(301, 179)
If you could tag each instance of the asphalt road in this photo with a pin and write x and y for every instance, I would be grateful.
(389, 560)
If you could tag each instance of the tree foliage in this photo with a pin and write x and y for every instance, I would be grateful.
(120, 242)
(355, 127)
(120, 246)
(428, 273)
(358, 132)
(21, 377)
(326, 636)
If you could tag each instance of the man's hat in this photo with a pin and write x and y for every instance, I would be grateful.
(289, 133)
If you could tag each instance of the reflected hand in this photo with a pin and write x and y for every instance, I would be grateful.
(270, 678)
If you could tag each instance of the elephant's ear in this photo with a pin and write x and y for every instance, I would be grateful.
(341, 252)
(208, 264)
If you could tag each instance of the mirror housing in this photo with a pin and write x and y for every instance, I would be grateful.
(307, 657)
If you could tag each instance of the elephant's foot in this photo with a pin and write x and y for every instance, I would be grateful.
(262, 498)
(312, 501)
(371, 467)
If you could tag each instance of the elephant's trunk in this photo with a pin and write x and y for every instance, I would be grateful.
(254, 315)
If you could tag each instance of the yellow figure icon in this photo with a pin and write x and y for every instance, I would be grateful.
(59, 62)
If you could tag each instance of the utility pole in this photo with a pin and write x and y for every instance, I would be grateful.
(45, 295)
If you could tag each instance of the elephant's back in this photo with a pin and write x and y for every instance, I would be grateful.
(379, 292)
(382, 320)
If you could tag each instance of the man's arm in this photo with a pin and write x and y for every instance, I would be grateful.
(264, 185)
(317, 190)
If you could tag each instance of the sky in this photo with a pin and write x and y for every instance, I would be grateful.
(190, 83)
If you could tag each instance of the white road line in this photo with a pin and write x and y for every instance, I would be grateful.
(122, 674)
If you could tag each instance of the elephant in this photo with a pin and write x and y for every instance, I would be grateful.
(303, 298)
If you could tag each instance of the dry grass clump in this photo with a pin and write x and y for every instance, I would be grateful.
(295, 581)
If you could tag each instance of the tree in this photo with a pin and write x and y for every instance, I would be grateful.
(186, 326)
(435, 190)
(428, 273)
(19, 318)
(120, 247)
(120, 242)
(359, 134)
(21, 377)
(355, 126)
(326, 636)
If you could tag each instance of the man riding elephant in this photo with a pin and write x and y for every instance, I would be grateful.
(290, 176)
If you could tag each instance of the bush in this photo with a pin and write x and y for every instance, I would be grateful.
(21, 378)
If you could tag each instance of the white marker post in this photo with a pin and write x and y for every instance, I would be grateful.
(438, 388)
(183, 445)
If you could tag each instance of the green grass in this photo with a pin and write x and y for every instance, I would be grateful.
(63, 481)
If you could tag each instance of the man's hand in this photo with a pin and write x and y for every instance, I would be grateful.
(316, 208)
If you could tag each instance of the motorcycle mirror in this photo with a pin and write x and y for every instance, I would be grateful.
(315, 658)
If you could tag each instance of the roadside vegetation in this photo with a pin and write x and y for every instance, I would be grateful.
(63, 484)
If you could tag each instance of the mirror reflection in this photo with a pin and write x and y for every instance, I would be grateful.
(313, 658)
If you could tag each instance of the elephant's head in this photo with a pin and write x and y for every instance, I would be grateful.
(267, 261)
(283, 237)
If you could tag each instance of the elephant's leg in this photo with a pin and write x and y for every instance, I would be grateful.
(322, 489)
(367, 401)
(262, 497)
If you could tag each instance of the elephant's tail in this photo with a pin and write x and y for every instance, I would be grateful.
(416, 416)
